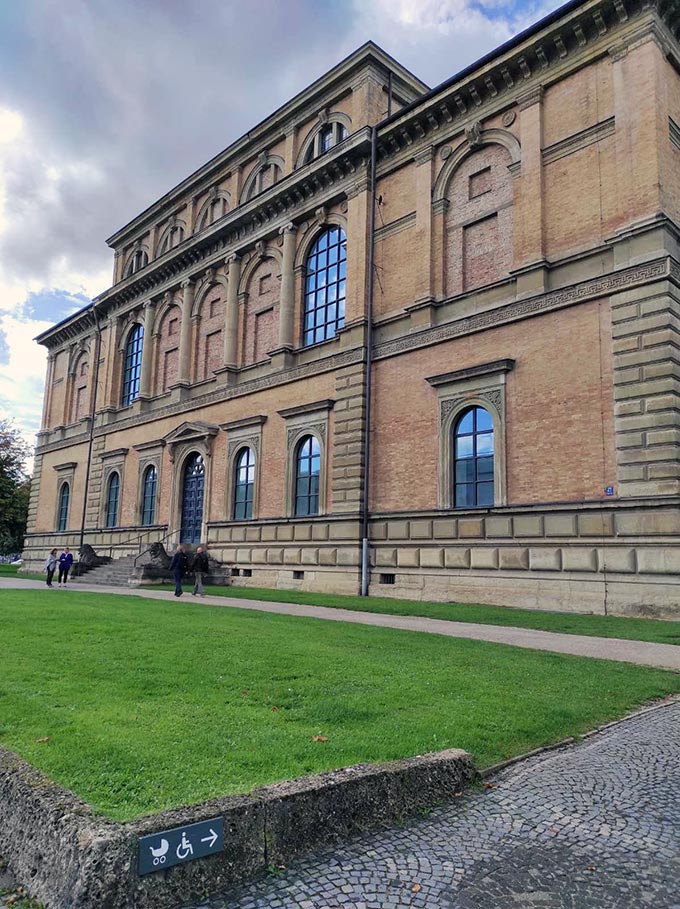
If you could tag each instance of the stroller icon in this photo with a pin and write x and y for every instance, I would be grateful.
(159, 854)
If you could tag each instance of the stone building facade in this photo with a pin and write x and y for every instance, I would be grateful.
(445, 322)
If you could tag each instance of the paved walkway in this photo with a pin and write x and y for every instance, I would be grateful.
(662, 656)
(592, 826)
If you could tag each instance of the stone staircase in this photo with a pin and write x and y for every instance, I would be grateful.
(116, 573)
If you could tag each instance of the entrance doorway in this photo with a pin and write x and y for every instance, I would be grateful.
(192, 499)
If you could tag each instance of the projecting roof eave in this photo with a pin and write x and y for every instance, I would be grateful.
(367, 53)
(74, 319)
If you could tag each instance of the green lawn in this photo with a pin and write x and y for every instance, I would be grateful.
(149, 704)
(12, 571)
(654, 630)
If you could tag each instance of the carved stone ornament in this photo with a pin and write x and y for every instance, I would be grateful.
(444, 152)
(508, 118)
(493, 395)
(473, 134)
(323, 116)
(243, 442)
(260, 249)
(262, 158)
(321, 214)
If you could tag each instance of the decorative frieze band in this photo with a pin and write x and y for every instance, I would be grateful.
(521, 309)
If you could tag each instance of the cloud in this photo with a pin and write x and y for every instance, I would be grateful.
(106, 106)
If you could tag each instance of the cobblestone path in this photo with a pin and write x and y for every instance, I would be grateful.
(592, 826)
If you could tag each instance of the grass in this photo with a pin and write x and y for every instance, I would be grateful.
(12, 571)
(654, 630)
(139, 705)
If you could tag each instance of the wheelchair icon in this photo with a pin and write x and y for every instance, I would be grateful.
(185, 849)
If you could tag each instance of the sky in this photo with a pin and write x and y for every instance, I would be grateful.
(105, 106)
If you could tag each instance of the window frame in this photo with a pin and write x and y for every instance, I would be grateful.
(149, 496)
(63, 507)
(249, 485)
(132, 365)
(475, 435)
(111, 517)
(316, 293)
(306, 439)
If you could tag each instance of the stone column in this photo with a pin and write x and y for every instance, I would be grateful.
(185, 333)
(290, 150)
(287, 307)
(47, 400)
(231, 315)
(529, 195)
(147, 350)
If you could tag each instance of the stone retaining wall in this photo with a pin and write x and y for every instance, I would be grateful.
(70, 858)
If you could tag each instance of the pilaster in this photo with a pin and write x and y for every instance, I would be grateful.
(529, 225)
(287, 307)
(147, 350)
(185, 333)
(348, 435)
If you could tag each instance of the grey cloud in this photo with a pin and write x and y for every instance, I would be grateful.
(141, 94)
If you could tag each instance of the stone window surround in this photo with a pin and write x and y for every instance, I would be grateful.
(182, 443)
(307, 419)
(113, 462)
(244, 433)
(484, 386)
(65, 474)
(150, 455)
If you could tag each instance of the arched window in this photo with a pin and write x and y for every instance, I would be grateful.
(149, 487)
(307, 474)
(244, 485)
(327, 137)
(138, 261)
(214, 209)
(172, 238)
(62, 513)
(325, 287)
(112, 497)
(473, 459)
(132, 365)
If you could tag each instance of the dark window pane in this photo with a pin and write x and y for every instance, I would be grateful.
(465, 495)
(485, 468)
(485, 494)
(465, 471)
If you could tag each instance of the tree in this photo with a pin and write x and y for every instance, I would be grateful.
(14, 487)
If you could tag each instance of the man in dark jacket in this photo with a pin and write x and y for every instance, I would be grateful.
(178, 567)
(200, 567)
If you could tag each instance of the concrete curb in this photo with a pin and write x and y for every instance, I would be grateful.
(70, 858)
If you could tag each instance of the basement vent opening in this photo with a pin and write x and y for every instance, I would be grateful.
(247, 572)
(298, 575)
(235, 572)
(387, 578)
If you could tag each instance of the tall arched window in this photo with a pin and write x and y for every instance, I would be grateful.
(244, 485)
(473, 459)
(62, 513)
(307, 474)
(173, 236)
(132, 365)
(112, 497)
(325, 274)
(149, 487)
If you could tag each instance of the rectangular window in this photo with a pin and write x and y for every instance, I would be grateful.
(387, 578)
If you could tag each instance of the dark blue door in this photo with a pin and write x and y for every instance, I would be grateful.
(192, 499)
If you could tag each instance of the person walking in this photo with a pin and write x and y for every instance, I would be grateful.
(178, 567)
(200, 567)
(65, 562)
(50, 566)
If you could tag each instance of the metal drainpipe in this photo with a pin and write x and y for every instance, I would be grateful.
(365, 566)
(95, 379)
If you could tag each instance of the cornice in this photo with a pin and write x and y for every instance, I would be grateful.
(471, 372)
(517, 73)
(302, 409)
(244, 423)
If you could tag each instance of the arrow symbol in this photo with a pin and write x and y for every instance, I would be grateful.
(212, 839)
